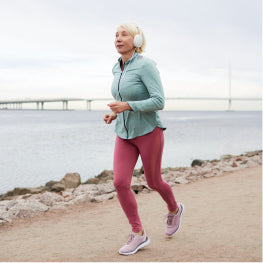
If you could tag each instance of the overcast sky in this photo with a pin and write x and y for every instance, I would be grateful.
(65, 48)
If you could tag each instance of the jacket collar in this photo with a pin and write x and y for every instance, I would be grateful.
(134, 56)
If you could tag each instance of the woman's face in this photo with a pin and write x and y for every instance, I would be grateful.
(123, 41)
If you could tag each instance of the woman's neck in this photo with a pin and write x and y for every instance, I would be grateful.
(127, 56)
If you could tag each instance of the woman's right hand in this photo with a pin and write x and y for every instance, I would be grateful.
(109, 117)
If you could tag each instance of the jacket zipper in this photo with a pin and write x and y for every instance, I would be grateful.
(121, 100)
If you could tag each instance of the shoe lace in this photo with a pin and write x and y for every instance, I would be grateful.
(170, 218)
(130, 238)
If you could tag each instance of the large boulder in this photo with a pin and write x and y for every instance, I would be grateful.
(71, 180)
(197, 162)
(107, 174)
(103, 177)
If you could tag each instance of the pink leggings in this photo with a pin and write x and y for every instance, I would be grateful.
(150, 147)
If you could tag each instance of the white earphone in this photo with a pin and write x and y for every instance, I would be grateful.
(138, 39)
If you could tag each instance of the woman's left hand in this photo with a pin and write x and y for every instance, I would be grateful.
(119, 106)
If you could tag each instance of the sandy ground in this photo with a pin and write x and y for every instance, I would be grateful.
(222, 222)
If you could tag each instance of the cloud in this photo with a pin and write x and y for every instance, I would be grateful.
(9, 62)
(49, 44)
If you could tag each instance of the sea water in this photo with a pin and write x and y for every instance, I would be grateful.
(41, 145)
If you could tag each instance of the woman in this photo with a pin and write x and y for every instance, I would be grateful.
(138, 94)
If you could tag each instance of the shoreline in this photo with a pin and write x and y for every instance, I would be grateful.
(102, 178)
(214, 226)
(32, 202)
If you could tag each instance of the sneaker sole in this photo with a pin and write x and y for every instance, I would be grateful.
(182, 211)
(145, 243)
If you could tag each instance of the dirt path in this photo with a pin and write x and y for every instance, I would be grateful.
(222, 222)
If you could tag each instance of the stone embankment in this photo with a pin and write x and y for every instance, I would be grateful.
(30, 202)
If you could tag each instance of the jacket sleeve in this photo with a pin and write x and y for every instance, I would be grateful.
(151, 80)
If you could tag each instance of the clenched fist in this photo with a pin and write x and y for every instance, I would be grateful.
(109, 117)
(119, 106)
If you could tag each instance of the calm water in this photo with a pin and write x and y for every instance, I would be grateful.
(38, 146)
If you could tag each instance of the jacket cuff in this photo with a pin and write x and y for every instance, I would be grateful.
(132, 104)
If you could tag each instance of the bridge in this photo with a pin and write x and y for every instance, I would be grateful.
(17, 104)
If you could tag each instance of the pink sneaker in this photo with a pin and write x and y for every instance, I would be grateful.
(134, 243)
(173, 221)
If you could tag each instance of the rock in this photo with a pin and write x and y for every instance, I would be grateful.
(106, 188)
(181, 180)
(80, 199)
(68, 192)
(164, 170)
(108, 174)
(5, 216)
(138, 185)
(251, 163)
(193, 178)
(4, 203)
(25, 208)
(141, 170)
(227, 156)
(49, 199)
(141, 178)
(257, 159)
(244, 161)
(216, 167)
(102, 198)
(195, 172)
(92, 181)
(169, 177)
(136, 172)
(214, 161)
(58, 187)
(228, 168)
(2, 222)
(25, 190)
(49, 184)
(205, 170)
(101, 178)
(197, 162)
(207, 175)
(85, 188)
(25, 196)
(61, 205)
(71, 180)
(28, 202)
(234, 164)
(252, 153)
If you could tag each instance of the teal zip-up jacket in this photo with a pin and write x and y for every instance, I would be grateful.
(140, 85)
